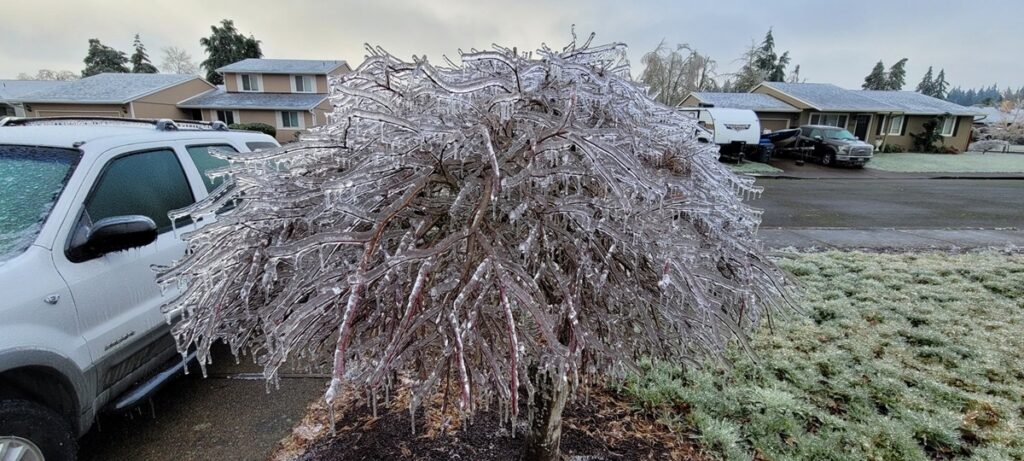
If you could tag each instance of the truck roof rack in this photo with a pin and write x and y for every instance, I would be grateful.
(163, 124)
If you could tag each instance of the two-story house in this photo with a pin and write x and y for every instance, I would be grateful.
(288, 94)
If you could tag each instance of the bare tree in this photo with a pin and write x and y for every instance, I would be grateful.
(674, 74)
(1010, 126)
(502, 226)
(47, 74)
(177, 61)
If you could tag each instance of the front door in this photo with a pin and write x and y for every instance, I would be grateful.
(860, 127)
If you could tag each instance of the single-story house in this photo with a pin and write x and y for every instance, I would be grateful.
(12, 91)
(877, 117)
(117, 95)
(288, 94)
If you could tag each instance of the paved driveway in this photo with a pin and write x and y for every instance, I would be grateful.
(217, 418)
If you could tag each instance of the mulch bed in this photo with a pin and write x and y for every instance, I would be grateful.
(602, 428)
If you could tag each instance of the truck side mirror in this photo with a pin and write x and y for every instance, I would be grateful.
(109, 235)
(817, 138)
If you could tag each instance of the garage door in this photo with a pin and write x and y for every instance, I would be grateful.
(774, 124)
(84, 113)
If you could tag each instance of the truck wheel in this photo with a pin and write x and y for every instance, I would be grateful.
(32, 432)
(828, 159)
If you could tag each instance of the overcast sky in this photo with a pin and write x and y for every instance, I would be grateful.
(977, 42)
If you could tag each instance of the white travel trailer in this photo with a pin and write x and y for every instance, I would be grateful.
(731, 129)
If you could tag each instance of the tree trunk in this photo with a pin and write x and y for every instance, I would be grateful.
(544, 430)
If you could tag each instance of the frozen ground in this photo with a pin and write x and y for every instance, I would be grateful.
(907, 356)
(971, 162)
(753, 168)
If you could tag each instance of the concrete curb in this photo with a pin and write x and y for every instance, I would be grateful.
(901, 176)
(892, 239)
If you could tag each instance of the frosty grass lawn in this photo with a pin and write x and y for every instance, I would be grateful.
(747, 167)
(963, 163)
(894, 357)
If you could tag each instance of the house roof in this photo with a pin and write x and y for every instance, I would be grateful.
(107, 88)
(12, 90)
(830, 98)
(914, 103)
(283, 66)
(222, 99)
(753, 101)
(992, 115)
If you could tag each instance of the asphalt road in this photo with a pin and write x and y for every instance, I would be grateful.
(892, 203)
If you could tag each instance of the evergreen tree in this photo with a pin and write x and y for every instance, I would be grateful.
(940, 86)
(224, 46)
(762, 64)
(768, 63)
(897, 75)
(140, 60)
(927, 85)
(102, 58)
(877, 79)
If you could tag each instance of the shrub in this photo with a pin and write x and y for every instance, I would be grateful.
(892, 149)
(260, 127)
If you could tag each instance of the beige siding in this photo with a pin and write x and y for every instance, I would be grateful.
(321, 112)
(163, 104)
(269, 117)
(230, 81)
(690, 101)
(276, 83)
(76, 110)
(915, 125)
(279, 83)
(775, 121)
(763, 89)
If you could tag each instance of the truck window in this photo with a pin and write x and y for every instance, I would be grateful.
(205, 161)
(257, 145)
(149, 183)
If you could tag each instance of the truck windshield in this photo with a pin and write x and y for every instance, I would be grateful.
(31, 179)
(839, 134)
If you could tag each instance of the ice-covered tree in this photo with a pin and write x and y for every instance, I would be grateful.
(927, 85)
(672, 74)
(877, 79)
(493, 229)
(177, 61)
(140, 59)
(102, 58)
(896, 77)
(224, 46)
(47, 74)
(940, 87)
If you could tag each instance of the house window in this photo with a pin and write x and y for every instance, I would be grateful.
(250, 82)
(303, 84)
(948, 126)
(291, 119)
(895, 125)
(227, 116)
(838, 120)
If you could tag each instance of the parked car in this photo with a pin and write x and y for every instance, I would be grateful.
(832, 146)
(83, 219)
